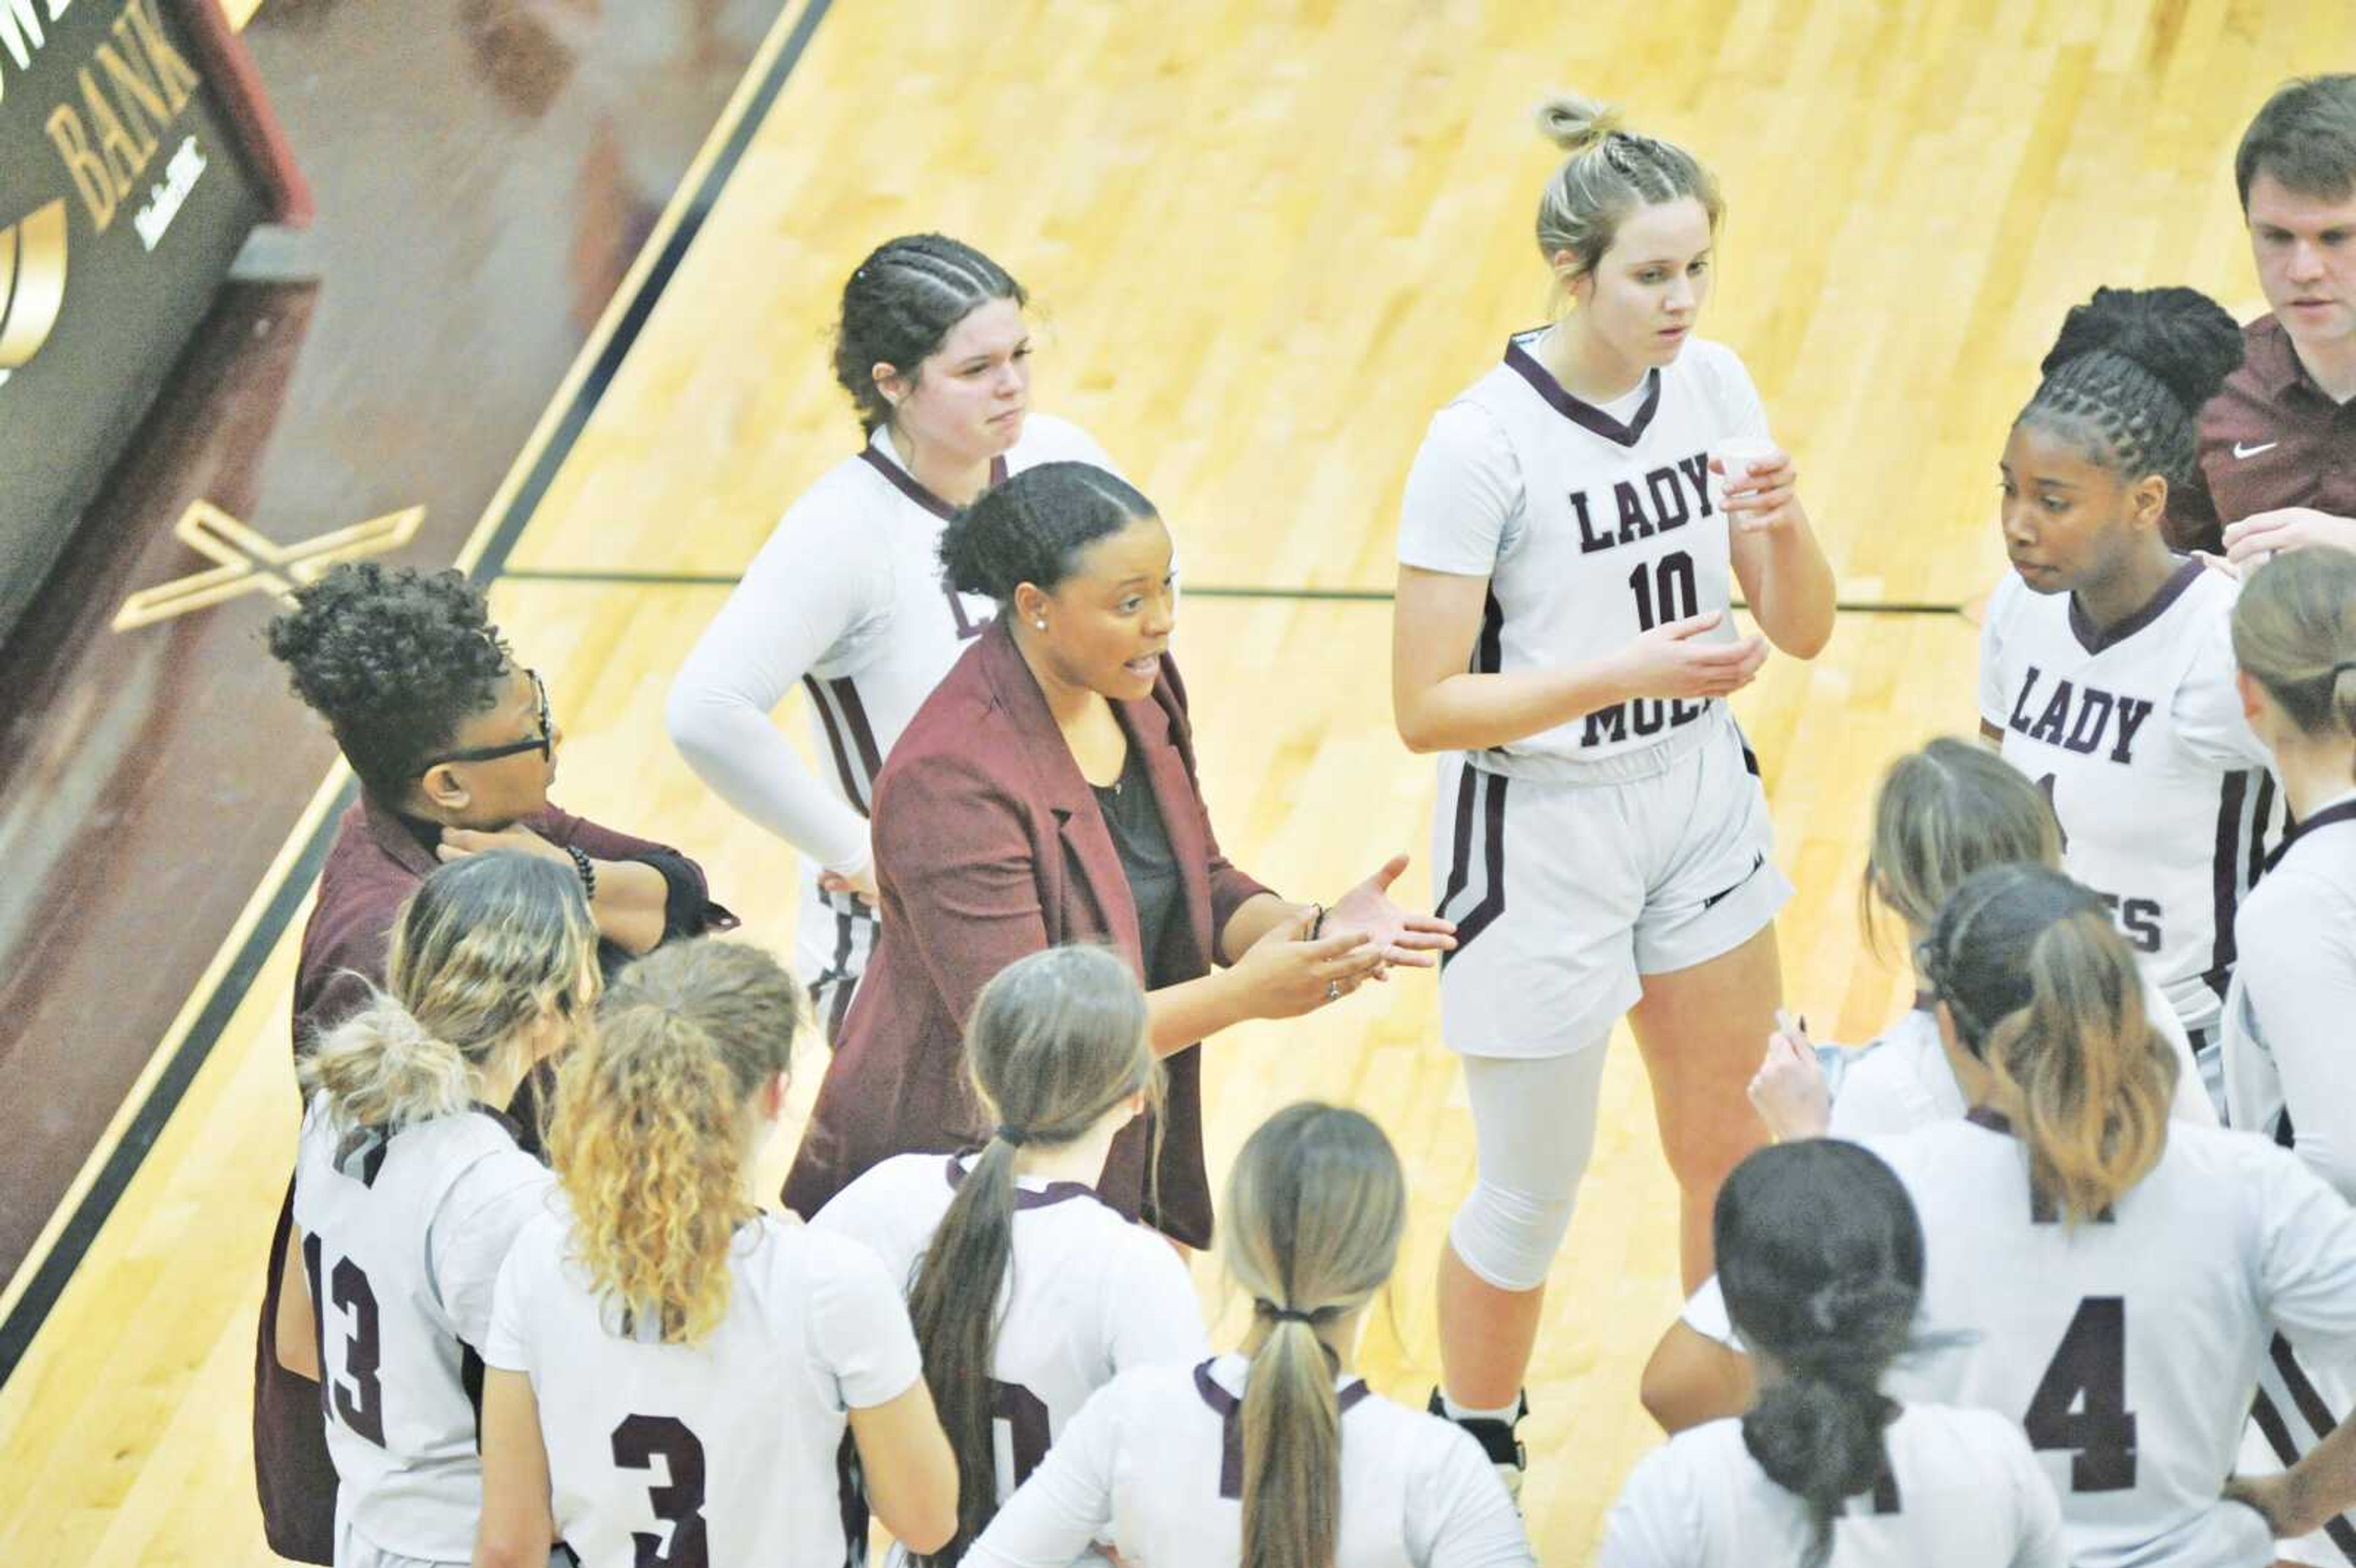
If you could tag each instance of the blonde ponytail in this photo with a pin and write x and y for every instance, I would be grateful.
(2045, 992)
(2295, 635)
(486, 949)
(1315, 1208)
(648, 1136)
(1574, 122)
(380, 1068)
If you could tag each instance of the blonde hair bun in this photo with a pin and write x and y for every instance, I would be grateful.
(1575, 123)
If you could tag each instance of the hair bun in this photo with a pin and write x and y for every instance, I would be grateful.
(2187, 341)
(1574, 122)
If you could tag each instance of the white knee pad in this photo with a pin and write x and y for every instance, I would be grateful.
(1534, 1123)
(1510, 1238)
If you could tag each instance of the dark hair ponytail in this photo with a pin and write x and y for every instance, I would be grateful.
(901, 303)
(1032, 528)
(1058, 1038)
(1820, 1256)
(2136, 365)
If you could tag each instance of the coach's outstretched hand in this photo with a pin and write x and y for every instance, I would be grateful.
(1405, 937)
(1285, 974)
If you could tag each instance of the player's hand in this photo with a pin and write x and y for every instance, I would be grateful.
(2218, 564)
(1670, 661)
(2272, 1496)
(1766, 495)
(1284, 975)
(458, 843)
(1789, 1090)
(861, 886)
(1404, 936)
(2263, 534)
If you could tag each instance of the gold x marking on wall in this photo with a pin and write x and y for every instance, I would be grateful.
(249, 563)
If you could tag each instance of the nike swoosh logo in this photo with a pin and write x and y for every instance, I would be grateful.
(1757, 860)
(2241, 451)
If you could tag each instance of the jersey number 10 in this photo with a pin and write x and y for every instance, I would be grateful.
(1664, 590)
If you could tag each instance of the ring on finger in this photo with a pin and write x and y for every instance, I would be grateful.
(1333, 990)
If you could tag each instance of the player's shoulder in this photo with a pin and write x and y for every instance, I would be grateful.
(1048, 438)
(840, 506)
(1711, 364)
(2011, 603)
(1944, 1429)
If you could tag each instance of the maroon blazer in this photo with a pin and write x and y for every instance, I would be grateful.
(988, 845)
(376, 861)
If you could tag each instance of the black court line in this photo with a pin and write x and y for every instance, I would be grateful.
(48, 1282)
(1193, 591)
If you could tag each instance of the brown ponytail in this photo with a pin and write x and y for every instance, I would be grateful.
(1315, 1208)
(2044, 990)
(2295, 635)
(1058, 1040)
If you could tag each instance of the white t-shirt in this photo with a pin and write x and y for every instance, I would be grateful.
(402, 1239)
(2128, 1346)
(1591, 527)
(1963, 1491)
(2136, 736)
(847, 598)
(754, 1412)
(1087, 1293)
(2290, 1021)
(1153, 1466)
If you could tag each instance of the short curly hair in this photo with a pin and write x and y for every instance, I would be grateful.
(395, 660)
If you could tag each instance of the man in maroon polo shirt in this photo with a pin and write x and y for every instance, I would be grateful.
(2277, 459)
(455, 749)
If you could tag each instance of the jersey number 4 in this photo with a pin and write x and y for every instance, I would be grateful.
(2081, 1404)
(679, 1501)
(355, 1399)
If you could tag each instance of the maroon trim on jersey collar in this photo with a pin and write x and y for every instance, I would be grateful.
(2094, 639)
(1926, 1002)
(1580, 412)
(2343, 812)
(1993, 1120)
(905, 481)
(1029, 1197)
(1229, 1410)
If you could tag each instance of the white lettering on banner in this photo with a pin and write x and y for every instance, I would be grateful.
(170, 193)
(21, 33)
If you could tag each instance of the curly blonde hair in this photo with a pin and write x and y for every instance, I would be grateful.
(646, 1136)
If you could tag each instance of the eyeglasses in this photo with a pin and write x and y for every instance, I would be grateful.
(544, 742)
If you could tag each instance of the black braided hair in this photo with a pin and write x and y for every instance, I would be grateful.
(901, 303)
(1032, 528)
(395, 660)
(2129, 373)
(1820, 1256)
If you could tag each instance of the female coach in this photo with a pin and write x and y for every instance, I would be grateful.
(1046, 794)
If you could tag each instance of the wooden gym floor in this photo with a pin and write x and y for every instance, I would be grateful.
(1266, 241)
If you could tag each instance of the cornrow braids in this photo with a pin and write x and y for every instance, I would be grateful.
(901, 303)
(2129, 373)
(1032, 528)
(1608, 174)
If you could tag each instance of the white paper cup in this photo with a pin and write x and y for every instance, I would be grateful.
(1735, 453)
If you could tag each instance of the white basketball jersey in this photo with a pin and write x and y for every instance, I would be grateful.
(2127, 1347)
(402, 1239)
(720, 1452)
(2136, 736)
(1088, 1294)
(2289, 1013)
(1591, 528)
(903, 627)
(1153, 1466)
(1963, 1491)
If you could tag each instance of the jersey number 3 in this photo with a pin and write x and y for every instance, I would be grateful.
(679, 1501)
(2081, 1404)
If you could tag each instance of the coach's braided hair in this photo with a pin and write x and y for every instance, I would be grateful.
(1032, 528)
(1940, 813)
(1820, 1256)
(485, 947)
(1609, 173)
(395, 660)
(647, 1137)
(898, 305)
(1315, 1206)
(1058, 1040)
(2045, 992)
(2129, 373)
